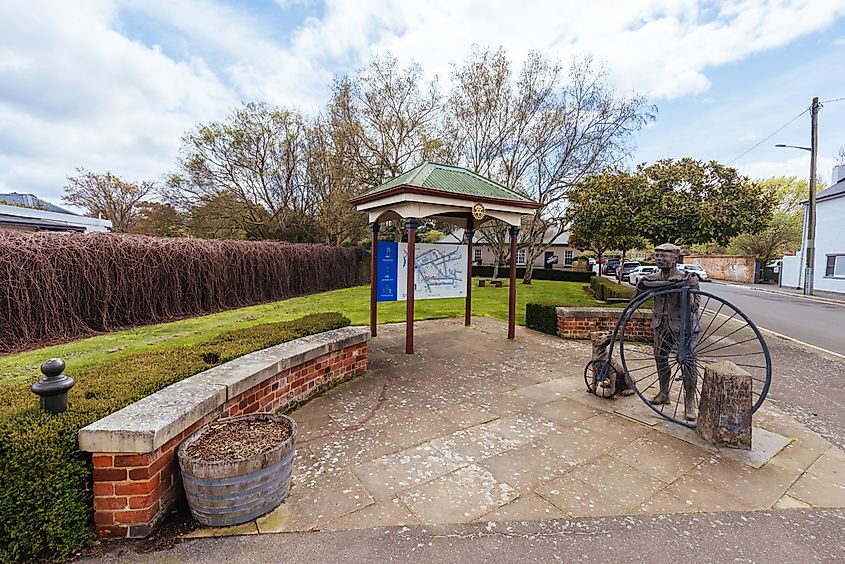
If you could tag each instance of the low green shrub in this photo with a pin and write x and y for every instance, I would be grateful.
(46, 500)
(542, 316)
(607, 290)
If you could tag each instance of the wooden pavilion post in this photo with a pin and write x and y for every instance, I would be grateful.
(470, 232)
(374, 278)
(412, 224)
(514, 231)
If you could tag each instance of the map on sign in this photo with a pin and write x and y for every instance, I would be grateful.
(440, 271)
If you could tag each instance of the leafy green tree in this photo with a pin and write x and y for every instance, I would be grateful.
(784, 232)
(692, 202)
(783, 235)
(432, 236)
(604, 212)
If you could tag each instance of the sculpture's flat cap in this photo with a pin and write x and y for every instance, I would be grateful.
(668, 247)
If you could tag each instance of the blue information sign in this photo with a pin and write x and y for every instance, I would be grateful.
(387, 270)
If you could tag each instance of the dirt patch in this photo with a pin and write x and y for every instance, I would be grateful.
(238, 440)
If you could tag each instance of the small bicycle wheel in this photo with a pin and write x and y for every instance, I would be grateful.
(717, 331)
(602, 387)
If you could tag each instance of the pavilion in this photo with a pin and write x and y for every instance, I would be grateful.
(450, 194)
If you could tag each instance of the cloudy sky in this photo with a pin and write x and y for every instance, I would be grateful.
(113, 84)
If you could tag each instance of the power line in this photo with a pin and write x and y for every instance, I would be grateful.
(833, 100)
(772, 134)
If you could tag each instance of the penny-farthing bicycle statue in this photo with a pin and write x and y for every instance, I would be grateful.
(710, 330)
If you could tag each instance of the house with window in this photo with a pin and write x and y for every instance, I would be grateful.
(829, 264)
(558, 255)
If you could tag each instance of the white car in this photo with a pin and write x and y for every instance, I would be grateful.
(695, 269)
(639, 272)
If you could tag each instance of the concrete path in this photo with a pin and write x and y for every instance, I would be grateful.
(475, 428)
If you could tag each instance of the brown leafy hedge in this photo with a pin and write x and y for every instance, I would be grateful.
(45, 499)
(57, 287)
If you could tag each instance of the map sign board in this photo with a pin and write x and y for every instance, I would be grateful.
(440, 271)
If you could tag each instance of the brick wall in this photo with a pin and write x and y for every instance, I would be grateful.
(134, 491)
(578, 322)
(725, 267)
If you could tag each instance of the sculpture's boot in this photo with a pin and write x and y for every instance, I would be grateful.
(690, 412)
(662, 398)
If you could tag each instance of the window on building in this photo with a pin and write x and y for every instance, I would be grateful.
(476, 255)
(567, 258)
(835, 266)
(520, 256)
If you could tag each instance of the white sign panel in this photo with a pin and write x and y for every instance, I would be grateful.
(440, 271)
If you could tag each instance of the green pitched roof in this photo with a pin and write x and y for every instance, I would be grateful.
(450, 180)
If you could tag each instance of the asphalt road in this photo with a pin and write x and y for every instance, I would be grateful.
(771, 536)
(819, 324)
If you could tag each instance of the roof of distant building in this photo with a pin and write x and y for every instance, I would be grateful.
(32, 201)
(457, 236)
(18, 217)
(835, 191)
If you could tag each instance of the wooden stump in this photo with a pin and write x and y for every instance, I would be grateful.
(724, 411)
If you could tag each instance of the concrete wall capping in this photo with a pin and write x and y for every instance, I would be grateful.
(150, 423)
(609, 312)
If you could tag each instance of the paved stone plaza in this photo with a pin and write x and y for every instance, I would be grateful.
(476, 428)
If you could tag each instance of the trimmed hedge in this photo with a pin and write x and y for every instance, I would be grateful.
(542, 316)
(46, 500)
(606, 289)
(539, 273)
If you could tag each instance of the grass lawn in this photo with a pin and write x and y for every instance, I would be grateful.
(352, 302)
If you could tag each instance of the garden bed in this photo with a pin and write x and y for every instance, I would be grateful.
(46, 501)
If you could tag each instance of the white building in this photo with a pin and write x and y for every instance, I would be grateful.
(829, 264)
(27, 212)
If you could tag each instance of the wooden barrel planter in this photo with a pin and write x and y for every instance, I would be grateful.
(238, 468)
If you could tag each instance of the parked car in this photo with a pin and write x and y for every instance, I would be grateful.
(628, 268)
(610, 265)
(695, 269)
(641, 272)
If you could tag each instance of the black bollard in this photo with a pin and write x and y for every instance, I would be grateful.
(53, 387)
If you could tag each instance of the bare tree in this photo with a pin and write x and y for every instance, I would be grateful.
(840, 156)
(107, 196)
(392, 116)
(541, 133)
(256, 161)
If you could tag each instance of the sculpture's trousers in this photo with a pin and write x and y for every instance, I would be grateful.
(665, 344)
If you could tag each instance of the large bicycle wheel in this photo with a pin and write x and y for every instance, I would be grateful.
(717, 331)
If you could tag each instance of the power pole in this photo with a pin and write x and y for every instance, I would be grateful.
(811, 208)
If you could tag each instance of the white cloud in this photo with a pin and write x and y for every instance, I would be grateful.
(794, 166)
(75, 90)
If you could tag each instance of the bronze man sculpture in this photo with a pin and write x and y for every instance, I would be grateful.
(666, 324)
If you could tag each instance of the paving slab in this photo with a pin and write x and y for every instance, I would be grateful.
(529, 507)
(314, 507)
(459, 497)
(466, 414)
(391, 474)
(386, 513)
(577, 499)
(823, 485)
